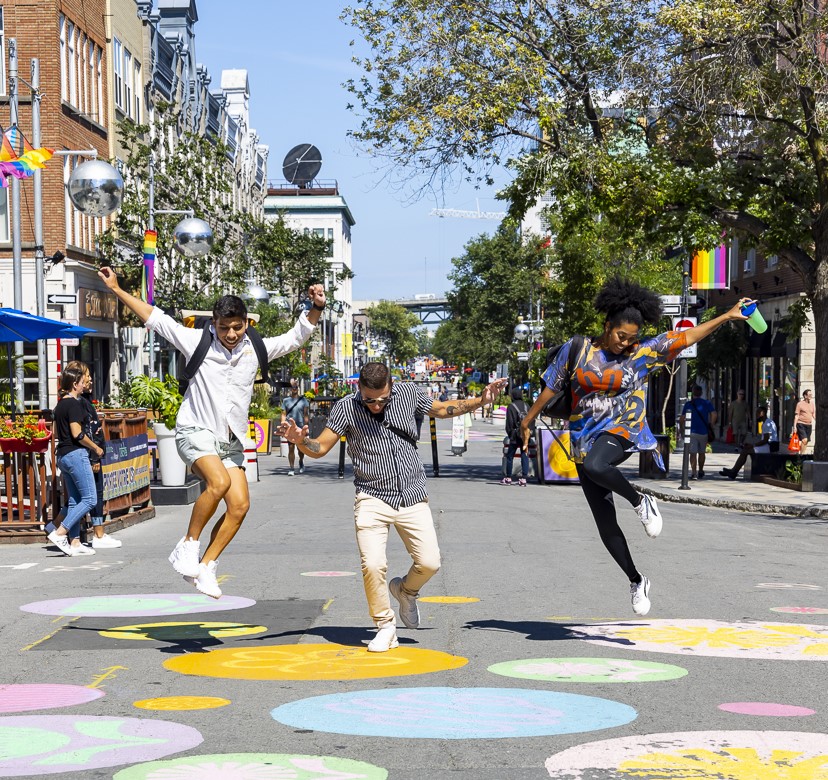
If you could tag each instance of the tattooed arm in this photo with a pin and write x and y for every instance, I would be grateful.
(445, 409)
(314, 448)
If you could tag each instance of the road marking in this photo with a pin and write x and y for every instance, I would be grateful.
(327, 604)
(48, 636)
(17, 566)
(108, 672)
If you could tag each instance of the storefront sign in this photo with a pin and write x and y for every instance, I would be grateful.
(98, 305)
(125, 466)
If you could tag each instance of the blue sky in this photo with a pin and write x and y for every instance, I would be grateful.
(297, 56)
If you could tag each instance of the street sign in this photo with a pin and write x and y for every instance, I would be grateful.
(523, 356)
(685, 323)
(671, 304)
(671, 309)
(62, 298)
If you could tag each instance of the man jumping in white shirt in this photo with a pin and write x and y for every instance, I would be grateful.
(211, 427)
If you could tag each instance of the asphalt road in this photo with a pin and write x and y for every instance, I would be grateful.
(731, 688)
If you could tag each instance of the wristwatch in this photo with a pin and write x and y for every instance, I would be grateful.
(318, 308)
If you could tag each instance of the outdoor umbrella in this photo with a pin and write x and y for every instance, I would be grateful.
(16, 325)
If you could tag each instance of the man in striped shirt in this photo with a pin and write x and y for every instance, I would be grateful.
(379, 423)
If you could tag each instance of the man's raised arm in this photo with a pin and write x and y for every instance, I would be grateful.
(314, 448)
(445, 409)
(139, 307)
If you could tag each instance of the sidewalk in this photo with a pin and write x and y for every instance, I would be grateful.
(717, 491)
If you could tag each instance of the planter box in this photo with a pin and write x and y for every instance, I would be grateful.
(781, 483)
(815, 476)
(18, 445)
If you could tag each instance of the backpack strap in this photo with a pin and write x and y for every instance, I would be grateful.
(261, 351)
(189, 370)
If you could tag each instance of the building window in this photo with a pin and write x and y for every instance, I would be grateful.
(127, 82)
(93, 89)
(72, 65)
(118, 65)
(5, 232)
(138, 88)
(734, 258)
(2, 55)
(320, 232)
(750, 261)
(64, 80)
(773, 261)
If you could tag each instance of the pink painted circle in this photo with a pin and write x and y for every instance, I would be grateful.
(328, 573)
(44, 696)
(766, 709)
(137, 604)
(801, 610)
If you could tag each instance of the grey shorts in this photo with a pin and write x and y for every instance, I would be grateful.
(193, 443)
(698, 443)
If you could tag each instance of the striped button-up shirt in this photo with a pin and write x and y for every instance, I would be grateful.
(386, 466)
(218, 397)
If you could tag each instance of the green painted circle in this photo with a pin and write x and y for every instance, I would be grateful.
(588, 670)
(22, 742)
(254, 765)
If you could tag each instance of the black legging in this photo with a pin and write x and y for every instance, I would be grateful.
(599, 480)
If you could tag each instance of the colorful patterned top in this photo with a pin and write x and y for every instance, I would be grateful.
(609, 392)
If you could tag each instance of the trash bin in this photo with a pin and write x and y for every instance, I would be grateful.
(320, 406)
(647, 467)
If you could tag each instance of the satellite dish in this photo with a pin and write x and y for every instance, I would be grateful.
(301, 164)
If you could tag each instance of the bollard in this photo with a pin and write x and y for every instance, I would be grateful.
(685, 463)
(435, 463)
(341, 473)
(251, 464)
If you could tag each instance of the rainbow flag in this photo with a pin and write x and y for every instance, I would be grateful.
(24, 164)
(710, 269)
(148, 277)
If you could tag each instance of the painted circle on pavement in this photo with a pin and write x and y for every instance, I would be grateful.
(328, 574)
(33, 745)
(801, 610)
(787, 641)
(312, 662)
(253, 766)
(144, 604)
(454, 713)
(588, 670)
(766, 709)
(181, 703)
(735, 755)
(43, 696)
(178, 632)
(448, 599)
(788, 586)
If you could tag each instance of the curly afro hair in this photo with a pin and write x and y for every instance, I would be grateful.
(624, 301)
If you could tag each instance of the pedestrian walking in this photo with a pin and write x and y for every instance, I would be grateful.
(378, 423)
(767, 441)
(212, 426)
(514, 415)
(72, 451)
(738, 418)
(297, 408)
(702, 419)
(804, 416)
(94, 430)
(608, 392)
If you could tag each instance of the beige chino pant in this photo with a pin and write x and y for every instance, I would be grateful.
(414, 524)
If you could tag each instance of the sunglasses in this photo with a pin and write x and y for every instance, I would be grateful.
(375, 401)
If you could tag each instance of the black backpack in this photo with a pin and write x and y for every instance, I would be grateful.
(560, 406)
(189, 370)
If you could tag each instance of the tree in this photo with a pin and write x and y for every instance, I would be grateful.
(670, 120)
(425, 341)
(394, 325)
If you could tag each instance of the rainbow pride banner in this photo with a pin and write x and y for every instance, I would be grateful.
(710, 269)
(148, 276)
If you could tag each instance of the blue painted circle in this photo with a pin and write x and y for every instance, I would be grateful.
(454, 713)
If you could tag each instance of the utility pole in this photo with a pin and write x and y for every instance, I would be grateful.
(17, 245)
(40, 273)
(681, 386)
(151, 226)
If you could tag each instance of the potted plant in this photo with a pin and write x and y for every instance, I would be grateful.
(24, 433)
(164, 400)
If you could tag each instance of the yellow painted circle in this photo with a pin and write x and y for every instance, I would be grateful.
(312, 662)
(182, 703)
(177, 632)
(558, 456)
(449, 599)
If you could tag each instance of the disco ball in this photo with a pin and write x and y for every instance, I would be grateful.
(255, 292)
(522, 331)
(193, 237)
(96, 188)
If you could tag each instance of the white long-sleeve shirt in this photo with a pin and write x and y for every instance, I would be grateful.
(218, 397)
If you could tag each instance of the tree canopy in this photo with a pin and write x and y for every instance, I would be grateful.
(394, 325)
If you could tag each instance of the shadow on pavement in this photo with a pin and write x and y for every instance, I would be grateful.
(544, 632)
(338, 635)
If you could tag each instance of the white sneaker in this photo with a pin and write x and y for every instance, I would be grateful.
(184, 557)
(205, 581)
(290, 473)
(649, 515)
(105, 542)
(81, 549)
(301, 469)
(386, 639)
(61, 542)
(640, 592)
(409, 611)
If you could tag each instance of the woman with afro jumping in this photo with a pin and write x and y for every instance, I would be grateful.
(609, 404)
